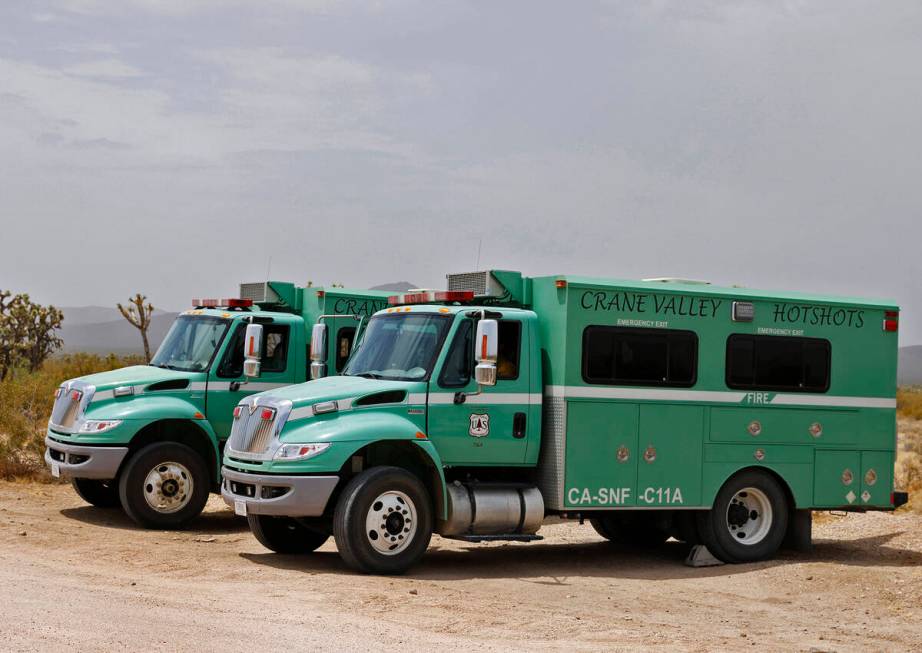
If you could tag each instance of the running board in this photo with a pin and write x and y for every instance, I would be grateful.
(512, 537)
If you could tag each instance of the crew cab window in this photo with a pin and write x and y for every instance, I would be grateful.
(778, 363)
(631, 356)
(344, 339)
(274, 351)
(510, 340)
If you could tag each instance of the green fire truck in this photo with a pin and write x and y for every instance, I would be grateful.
(656, 408)
(150, 437)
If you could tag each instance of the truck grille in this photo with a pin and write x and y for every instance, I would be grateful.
(66, 407)
(253, 428)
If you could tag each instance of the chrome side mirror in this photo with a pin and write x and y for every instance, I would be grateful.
(486, 352)
(252, 350)
(319, 351)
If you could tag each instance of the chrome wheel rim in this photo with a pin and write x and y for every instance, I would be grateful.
(168, 487)
(749, 516)
(390, 524)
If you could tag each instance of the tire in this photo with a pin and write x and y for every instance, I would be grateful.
(285, 534)
(749, 518)
(164, 485)
(634, 529)
(102, 494)
(400, 501)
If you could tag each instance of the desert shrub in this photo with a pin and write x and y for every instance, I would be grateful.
(909, 402)
(26, 400)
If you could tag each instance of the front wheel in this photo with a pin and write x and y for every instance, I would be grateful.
(102, 494)
(285, 534)
(749, 519)
(164, 485)
(383, 521)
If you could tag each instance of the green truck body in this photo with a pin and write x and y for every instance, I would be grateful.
(102, 422)
(652, 408)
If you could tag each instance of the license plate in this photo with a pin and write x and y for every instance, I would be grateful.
(56, 470)
(240, 508)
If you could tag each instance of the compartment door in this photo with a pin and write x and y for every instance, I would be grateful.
(669, 455)
(601, 463)
(837, 479)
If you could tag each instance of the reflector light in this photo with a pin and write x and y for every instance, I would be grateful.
(75, 396)
(891, 325)
(237, 411)
(561, 283)
(58, 392)
(251, 347)
(431, 297)
(267, 414)
(483, 347)
(320, 293)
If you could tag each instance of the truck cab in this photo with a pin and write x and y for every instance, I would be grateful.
(150, 437)
(655, 408)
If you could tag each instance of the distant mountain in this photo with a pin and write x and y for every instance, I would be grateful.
(101, 329)
(398, 286)
(910, 365)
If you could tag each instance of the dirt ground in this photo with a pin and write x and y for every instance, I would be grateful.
(77, 577)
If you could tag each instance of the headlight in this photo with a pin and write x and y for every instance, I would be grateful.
(99, 425)
(301, 451)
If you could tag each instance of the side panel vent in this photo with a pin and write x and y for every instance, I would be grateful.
(260, 293)
(173, 384)
(389, 397)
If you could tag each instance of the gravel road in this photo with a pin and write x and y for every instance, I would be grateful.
(77, 577)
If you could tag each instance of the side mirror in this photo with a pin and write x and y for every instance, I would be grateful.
(486, 352)
(252, 350)
(319, 351)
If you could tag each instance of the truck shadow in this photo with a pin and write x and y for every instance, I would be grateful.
(559, 564)
(208, 523)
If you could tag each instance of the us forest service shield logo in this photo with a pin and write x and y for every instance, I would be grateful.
(480, 425)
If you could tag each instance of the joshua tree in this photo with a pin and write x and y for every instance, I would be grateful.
(139, 316)
(28, 332)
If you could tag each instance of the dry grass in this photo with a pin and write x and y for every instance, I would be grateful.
(25, 404)
(909, 445)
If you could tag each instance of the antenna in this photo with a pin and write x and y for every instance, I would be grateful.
(479, 245)
(269, 270)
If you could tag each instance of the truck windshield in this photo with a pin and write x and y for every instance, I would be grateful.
(191, 343)
(400, 347)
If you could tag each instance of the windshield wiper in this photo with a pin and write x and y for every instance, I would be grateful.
(367, 375)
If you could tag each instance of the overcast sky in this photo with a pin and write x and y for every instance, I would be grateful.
(174, 146)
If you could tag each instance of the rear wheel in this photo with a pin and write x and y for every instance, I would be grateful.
(164, 485)
(638, 529)
(102, 494)
(748, 520)
(285, 534)
(383, 521)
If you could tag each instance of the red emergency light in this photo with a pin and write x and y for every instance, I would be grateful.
(891, 320)
(431, 297)
(235, 302)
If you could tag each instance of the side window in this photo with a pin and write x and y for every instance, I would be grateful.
(275, 351)
(458, 367)
(344, 339)
(629, 356)
(778, 363)
(510, 339)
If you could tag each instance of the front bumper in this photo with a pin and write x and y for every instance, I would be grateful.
(273, 494)
(75, 461)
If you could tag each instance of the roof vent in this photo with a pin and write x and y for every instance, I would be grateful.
(260, 292)
(688, 282)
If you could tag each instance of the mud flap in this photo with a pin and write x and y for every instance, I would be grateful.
(800, 532)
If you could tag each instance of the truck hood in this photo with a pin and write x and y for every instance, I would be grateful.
(140, 377)
(346, 391)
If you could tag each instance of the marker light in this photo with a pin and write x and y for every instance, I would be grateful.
(301, 451)
(123, 391)
(431, 297)
(325, 407)
(891, 320)
(267, 414)
(238, 411)
(58, 392)
(99, 425)
(561, 283)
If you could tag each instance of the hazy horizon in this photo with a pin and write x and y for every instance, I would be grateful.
(175, 147)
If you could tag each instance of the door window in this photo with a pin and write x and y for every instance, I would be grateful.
(344, 339)
(456, 372)
(274, 351)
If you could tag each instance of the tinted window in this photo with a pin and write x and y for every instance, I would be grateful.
(507, 362)
(274, 356)
(456, 372)
(623, 356)
(344, 339)
(778, 363)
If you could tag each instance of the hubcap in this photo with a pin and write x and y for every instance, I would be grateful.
(168, 487)
(749, 516)
(390, 524)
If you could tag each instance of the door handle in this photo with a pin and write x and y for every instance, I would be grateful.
(518, 425)
(234, 386)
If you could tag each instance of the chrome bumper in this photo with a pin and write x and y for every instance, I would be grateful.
(273, 494)
(75, 461)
